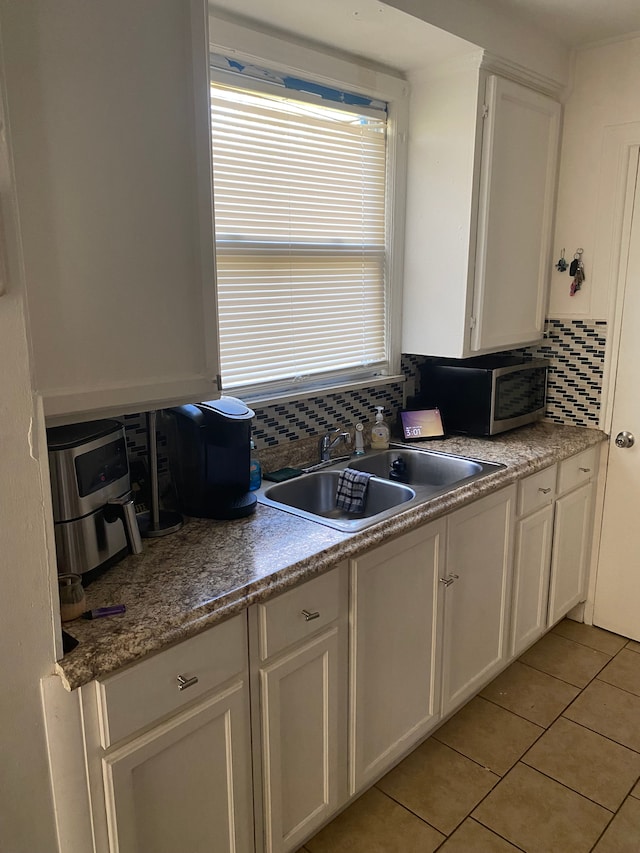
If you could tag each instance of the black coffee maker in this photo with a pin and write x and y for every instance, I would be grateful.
(209, 456)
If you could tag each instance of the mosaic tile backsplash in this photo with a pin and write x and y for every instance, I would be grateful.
(575, 348)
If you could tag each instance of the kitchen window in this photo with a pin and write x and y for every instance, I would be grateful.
(302, 237)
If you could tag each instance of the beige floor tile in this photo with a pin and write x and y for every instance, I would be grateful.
(375, 824)
(531, 694)
(636, 791)
(540, 815)
(489, 735)
(564, 659)
(438, 784)
(623, 833)
(610, 711)
(585, 761)
(623, 671)
(472, 837)
(635, 647)
(589, 635)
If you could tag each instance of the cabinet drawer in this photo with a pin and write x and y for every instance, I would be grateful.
(292, 616)
(148, 691)
(537, 491)
(577, 469)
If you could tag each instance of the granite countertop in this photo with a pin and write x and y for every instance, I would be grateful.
(210, 570)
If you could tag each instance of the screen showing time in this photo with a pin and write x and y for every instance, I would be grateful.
(425, 423)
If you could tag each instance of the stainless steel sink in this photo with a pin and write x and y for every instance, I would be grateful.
(425, 475)
(420, 467)
(314, 496)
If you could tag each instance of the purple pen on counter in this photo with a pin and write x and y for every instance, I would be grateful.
(97, 612)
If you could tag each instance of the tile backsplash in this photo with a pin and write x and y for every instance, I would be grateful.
(575, 348)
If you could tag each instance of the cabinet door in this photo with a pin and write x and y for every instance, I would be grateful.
(109, 113)
(571, 549)
(185, 785)
(300, 738)
(517, 187)
(531, 568)
(394, 673)
(477, 595)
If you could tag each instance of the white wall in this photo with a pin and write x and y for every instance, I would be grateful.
(26, 631)
(601, 121)
(26, 622)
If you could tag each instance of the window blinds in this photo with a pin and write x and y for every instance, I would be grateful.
(299, 194)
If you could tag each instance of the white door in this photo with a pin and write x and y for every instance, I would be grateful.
(394, 616)
(186, 784)
(617, 597)
(571, 549)
(517, 187)
(301, 720)
(531, 578)
(476, 609)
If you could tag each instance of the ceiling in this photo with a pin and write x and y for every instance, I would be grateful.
(383, 35)
(577, 22)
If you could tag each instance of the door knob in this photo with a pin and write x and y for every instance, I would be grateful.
(625, 439)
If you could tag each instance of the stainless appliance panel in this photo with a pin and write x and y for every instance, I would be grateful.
(85, 543)
(68, 503)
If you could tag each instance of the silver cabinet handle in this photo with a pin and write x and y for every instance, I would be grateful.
(449, 579)
(309, 615)
(584, 470)
(544, 491)
(183, 682)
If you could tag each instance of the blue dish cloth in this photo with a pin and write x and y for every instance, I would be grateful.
(351, 494)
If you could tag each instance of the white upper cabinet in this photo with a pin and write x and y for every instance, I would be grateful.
(482, 168)
(109, 124)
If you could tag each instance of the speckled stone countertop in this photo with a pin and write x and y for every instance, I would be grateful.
(209, 570)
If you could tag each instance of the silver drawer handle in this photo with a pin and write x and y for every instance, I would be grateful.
(544, 491)
(183, 682)
(449, 579)
(584, 470)
(309, 615)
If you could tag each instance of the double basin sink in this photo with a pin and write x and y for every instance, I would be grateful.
(402, 478)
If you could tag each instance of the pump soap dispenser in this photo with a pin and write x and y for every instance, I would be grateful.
(379, 432)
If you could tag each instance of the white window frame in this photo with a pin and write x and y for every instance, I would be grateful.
(257, 48)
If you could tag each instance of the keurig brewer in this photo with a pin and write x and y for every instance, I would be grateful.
(209, 455)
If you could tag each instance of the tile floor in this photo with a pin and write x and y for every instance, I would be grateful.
(545, 760)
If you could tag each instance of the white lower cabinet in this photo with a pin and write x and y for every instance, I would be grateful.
(185, 785)
(278, 716)
(553, 543)
(532, 565)
(175, 748)
(477, 596)
(571, 549)
(298, 654)
(532, 559)
(394, 672)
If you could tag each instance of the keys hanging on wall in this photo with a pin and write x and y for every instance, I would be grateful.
(576, 271)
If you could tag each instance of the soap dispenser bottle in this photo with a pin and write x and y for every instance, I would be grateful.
(379, 432)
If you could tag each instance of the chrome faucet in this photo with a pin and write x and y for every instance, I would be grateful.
(326, 444)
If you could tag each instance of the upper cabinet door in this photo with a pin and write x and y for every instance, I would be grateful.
(108, 110)
(517, 191)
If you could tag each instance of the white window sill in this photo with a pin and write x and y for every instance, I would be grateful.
(272, 399)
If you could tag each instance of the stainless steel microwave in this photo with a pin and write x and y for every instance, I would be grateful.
(487, 394)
